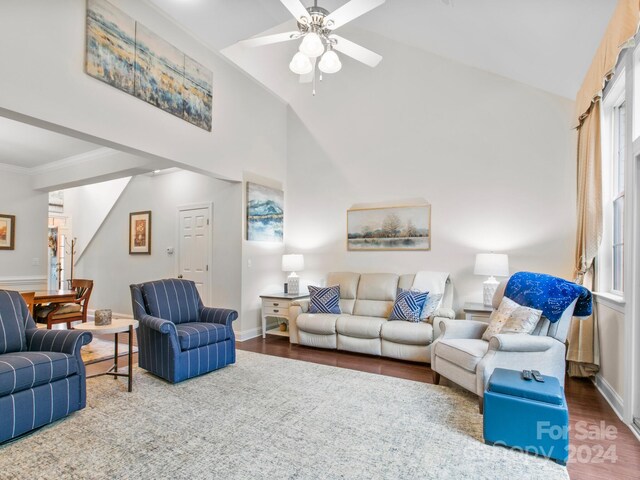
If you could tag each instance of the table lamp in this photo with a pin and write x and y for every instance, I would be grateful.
(491, 265)
(293, 263)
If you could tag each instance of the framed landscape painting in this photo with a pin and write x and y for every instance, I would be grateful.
(265, 213)
(140, 233)
(7, 232)
(389, 228)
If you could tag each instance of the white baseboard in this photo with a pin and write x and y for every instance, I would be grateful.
(252, 332)
(248, 334)
(610, 395)
(24, 283)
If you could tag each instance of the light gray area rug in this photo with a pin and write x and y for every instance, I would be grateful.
(270, 418)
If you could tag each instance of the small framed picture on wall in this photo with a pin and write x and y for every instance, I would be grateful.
(7, 232)
(140, 233)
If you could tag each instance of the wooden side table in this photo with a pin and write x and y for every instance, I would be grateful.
(477, 311)
(277, 305)
(118, 325)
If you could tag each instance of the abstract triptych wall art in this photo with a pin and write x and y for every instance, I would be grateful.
(127, 55)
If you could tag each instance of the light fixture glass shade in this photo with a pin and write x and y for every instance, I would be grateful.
(492, 264)
(330, 62)
(312, 45)
(300, 64)
(292, 263)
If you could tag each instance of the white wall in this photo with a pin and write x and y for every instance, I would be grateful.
(494, 157)
(611, 331)
(44, 42)
(106, 260)
(88, 206)
(31, 209)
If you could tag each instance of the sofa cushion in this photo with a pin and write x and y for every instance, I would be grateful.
(408, 333)
(464, 352)
(376, 293)
(408, 305)
(324, 299)
(43, 312)
(175, 300)
(359, 326)
(12, 322)
(197, 334)
(318, 323)
(23, 370)
(348, 282)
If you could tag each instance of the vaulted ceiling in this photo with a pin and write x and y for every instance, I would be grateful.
(547, 44)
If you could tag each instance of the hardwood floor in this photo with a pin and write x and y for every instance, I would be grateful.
(587, 408)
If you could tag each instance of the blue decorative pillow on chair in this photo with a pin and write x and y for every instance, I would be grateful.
(324, 299)
(408, 305)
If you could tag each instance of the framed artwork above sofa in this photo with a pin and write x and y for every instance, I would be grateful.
(389, 228)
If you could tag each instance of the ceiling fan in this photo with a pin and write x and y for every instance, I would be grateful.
(316, 27)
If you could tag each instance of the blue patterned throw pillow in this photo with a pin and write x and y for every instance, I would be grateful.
(408, 305)
(324, 299)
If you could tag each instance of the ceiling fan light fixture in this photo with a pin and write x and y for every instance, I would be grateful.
(330, 62)
(300, 64)
(312, 45)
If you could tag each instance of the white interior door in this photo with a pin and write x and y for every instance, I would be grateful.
(194, 250)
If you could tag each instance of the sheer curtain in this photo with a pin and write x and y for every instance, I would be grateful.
(583, 353)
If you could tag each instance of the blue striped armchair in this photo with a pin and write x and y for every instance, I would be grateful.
(42, 377)
(178, 337)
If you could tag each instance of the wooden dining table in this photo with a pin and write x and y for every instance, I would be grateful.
(54, 296)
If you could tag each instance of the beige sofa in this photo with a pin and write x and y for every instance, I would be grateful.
(366, 301)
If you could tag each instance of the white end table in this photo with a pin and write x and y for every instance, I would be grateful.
(277, 305)
(477, 311)
(118, 325)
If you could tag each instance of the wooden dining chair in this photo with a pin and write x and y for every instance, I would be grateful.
(29, 300)
(69, 312)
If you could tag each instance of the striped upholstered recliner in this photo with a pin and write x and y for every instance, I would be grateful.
(42, 377)
(178, 337)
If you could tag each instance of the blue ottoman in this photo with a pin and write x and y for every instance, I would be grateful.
(527, 415)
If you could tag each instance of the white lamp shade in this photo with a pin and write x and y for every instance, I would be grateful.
(292, 263)
(492, 264)
(312, 45)
(300, 64)
(330, 63)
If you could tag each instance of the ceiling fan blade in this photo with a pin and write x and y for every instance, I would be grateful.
(350, 11)
(308, 77)
(296, 8)
(270, 39)
(356, 51)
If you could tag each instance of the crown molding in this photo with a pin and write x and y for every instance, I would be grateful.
(72, 161)
(67, 162)
(5, 167)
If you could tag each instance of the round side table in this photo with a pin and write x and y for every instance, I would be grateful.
(118, 325)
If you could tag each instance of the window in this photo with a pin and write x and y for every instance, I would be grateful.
(619, 153)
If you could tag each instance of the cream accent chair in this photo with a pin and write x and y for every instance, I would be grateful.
(460, 354)
(366, 301)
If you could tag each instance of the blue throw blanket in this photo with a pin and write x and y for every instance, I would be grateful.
(550, 294)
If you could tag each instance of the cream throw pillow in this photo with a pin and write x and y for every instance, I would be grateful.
(511, 317)
(499, 317)
(522, 320)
